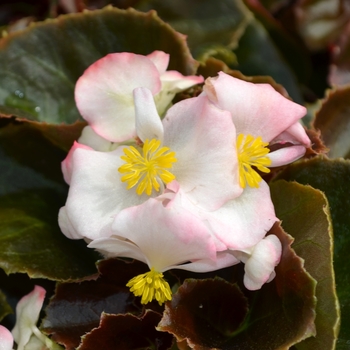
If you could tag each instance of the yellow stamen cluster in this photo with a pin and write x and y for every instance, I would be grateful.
(251, 152)
(147, 170)
(150, 285)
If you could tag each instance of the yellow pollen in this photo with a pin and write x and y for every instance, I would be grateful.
(251, 152)
(150, 285)
(147, 170)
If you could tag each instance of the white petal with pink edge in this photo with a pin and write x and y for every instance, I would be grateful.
(67, 164)
(103, 93)
(239, 224)
(160, 59)
(257, 109)
(27, 315)
(177, 237)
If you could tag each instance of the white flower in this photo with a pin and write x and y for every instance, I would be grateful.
(194, 144)
(164, 237)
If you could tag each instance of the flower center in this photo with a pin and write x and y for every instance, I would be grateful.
(147, 170)
(251, 152)
(150, 285)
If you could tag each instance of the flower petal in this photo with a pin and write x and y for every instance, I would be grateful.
(259, 267)
(27, 315)
(160, 59)
(240, 223)
(67, 165)
(204, 140)
(166, 236)
(97, 193)
(89, 138)
(286, 155)
(223, 259)
(257, 109)
(65, 225)
(148, 123)
(6, 339)
(244, 221)
(114, 246)
(295, 134)
(103, 93)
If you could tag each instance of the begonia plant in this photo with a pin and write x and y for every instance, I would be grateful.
(165, 181)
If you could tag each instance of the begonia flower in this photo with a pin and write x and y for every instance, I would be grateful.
(25, 333)
(163, 237)
(263, 118)
(189, 145)
(6, 339)
(104, 93)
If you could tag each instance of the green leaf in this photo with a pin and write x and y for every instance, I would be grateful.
(210, 25)
(333, 120)
(32, 191)
(339, 69)
(62, 135)
(292, 50)
(5, 308)
(40, 65)
(32, 242)
(257, 55)
(333, 178)
(304, 212)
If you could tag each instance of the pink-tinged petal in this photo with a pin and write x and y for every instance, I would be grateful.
(67, 165)
(148, 123)
(6, 339)
(260, 265)
(103, 94)
(89, 138)
(243, 222)
(113, 246)
(223, 259)
(174, 196)
(160, 59)
(97, 193)
(27, 315)
(204, 140)
(176, 238)
(286, 155)
(295, 134)
(257, 109)
(240, 223)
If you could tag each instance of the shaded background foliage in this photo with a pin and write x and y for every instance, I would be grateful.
(273, 41)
